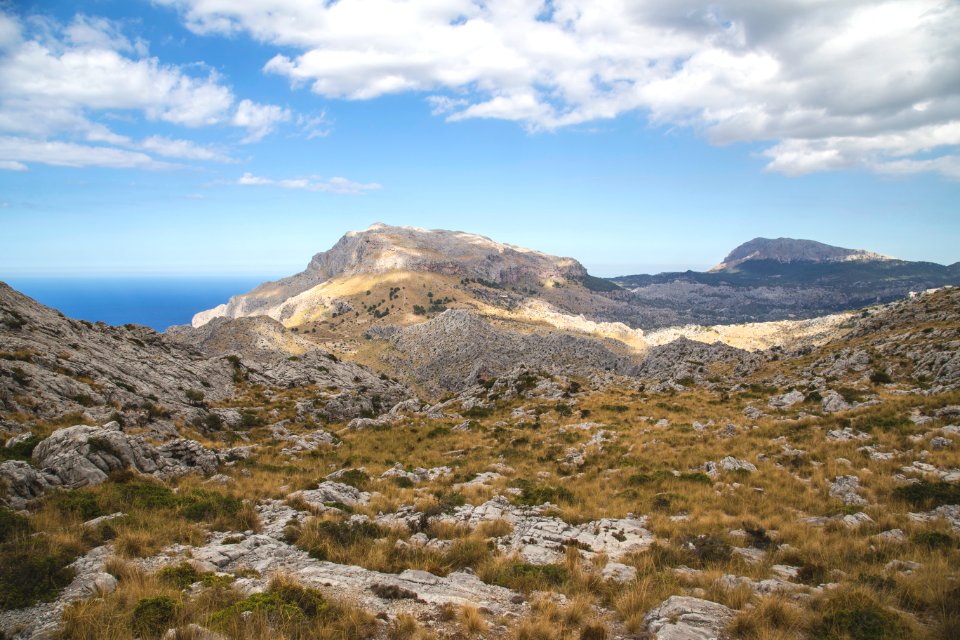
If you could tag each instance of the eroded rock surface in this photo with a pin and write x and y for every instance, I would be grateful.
(686, 618)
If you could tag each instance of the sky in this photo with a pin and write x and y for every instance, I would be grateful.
(216, 137)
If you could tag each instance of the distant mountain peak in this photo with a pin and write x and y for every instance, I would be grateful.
(793, 250)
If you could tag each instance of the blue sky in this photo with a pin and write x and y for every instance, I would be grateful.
(196, 137)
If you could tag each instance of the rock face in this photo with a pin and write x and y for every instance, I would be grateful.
(382, 248)
(84, 455)
(53, 366)
(845, 488)
(685, 618)
(273, 355)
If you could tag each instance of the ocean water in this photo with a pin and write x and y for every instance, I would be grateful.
(154, 302)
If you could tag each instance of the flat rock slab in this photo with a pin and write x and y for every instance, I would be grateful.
(541, 539)
(412, 590)
(685, 618)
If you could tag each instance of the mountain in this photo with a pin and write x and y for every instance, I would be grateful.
(791, 250)
(361, 258)
(766, 280)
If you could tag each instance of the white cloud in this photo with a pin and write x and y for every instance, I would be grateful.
(61, 83)
(259, 119)
(796, 74)
(174, 148)
(12, 165)
(15, 151)
(336, 185)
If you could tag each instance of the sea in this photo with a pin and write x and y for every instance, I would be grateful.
(157, 302)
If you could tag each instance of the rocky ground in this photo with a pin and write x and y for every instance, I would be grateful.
(808, 491)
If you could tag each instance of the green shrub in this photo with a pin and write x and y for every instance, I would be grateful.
(933, 540)
(856, 615)
(929, 495)
(708, 548)
(281, 605)
(180, 575)
(880, 377)
(478, 412)
(22, 450)
(12, 524)
(152, 616)
(201, 505)
(31, 572)
(355, 478)
(80, 502)
(533, 495)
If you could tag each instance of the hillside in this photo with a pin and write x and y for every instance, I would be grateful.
(804, 490)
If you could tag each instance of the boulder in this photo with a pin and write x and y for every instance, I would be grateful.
(333, 492)
(734, 464)
(84, 455)
(787, 400)
(833, 402)
(686, 618)
(845, 488)
(23, 482)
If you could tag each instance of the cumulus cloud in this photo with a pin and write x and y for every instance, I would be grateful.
(336, 185)
(63, 83)
(825, 84)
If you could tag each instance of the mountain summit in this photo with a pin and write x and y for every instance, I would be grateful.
(792, 250)
(363, 258)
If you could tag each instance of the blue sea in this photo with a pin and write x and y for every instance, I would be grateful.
(154, 302)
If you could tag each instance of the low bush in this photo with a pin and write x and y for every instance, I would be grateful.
(856, 614)
(929, 495)
(153, 616)
(533, 495)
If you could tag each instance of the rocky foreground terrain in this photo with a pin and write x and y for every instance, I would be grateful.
(475, 472)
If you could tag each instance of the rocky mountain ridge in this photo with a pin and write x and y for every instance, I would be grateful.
(381, 248)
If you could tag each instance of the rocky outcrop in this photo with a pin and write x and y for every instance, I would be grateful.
(267, 553)
(846, 488)
(84, 455)
(542, 539)
(688, 361)
(335, 493)
(686, 618)
(52, 366)
(264, 351)
(448, 352)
